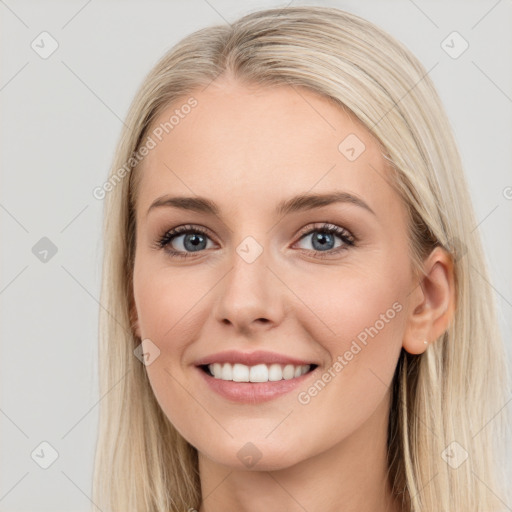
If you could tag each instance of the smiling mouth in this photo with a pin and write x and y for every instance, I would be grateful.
(257, 373)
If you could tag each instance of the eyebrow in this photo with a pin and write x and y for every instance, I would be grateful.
(295, 204)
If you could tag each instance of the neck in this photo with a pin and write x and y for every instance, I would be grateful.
(352, 476)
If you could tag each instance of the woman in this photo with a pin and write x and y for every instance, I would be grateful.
(293, 317)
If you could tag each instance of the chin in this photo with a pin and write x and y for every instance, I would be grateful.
(254, 456)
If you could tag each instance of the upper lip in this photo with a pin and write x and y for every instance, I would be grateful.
(250, 358)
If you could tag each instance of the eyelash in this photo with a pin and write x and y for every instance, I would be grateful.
(348, 239)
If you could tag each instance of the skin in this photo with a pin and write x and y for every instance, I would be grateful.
(247, 149)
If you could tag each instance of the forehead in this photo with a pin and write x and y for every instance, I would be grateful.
(244, 143)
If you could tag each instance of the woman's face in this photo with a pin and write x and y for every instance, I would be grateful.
(264, 170)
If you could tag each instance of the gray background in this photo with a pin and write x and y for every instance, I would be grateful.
(60, 121)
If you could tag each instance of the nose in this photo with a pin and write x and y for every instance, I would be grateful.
(250, 297)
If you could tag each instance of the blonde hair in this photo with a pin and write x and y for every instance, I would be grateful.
(451, 393)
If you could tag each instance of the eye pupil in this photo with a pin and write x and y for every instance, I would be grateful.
(195, 240)
(323, 239)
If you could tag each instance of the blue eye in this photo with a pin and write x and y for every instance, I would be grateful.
(323, 239)
(193, 239)
(183, 241)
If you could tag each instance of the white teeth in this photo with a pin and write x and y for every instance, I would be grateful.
(226, 373)
(240, 373)
(288, 372)
(259, 373)
(275, 372)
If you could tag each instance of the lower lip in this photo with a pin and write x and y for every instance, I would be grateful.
(253, 392)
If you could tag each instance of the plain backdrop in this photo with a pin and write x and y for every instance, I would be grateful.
(60, 120)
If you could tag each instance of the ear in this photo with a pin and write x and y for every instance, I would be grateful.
(432, 302)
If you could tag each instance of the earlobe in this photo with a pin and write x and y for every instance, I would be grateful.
(432, 303)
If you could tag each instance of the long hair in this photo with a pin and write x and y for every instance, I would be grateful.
(445, 420)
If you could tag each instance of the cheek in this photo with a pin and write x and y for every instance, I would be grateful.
(168, 301)
(359, 319)
(170, 312)
(353, 303)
